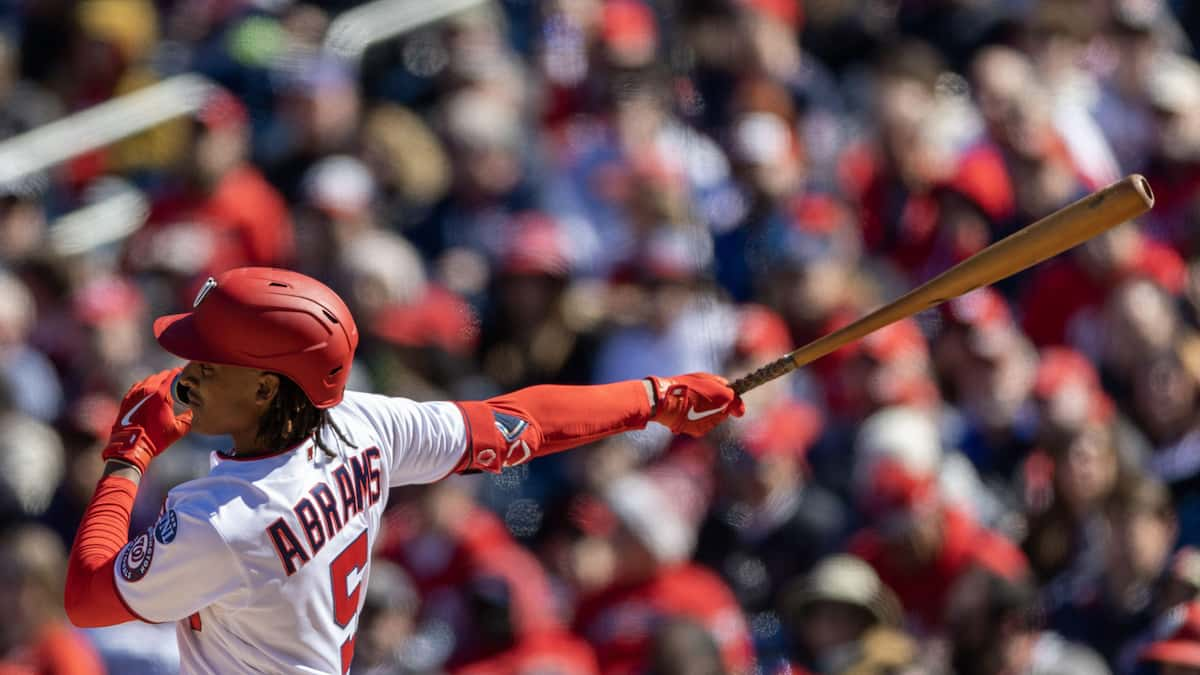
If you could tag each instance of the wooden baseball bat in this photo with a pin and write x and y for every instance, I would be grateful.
(1069, 226)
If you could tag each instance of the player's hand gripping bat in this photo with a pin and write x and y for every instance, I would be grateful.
(1057, 232)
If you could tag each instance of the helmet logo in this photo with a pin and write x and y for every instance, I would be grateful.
(208, 286)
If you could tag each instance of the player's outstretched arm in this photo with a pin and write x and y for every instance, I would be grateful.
(512, 429)
(146, 425)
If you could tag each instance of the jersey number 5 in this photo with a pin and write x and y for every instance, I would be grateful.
(345, 600)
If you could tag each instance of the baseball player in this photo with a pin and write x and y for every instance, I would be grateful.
(262, 563)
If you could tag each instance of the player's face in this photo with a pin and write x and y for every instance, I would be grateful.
(227, 399)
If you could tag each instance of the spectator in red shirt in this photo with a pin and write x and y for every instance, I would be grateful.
(918, 541)
(501, 650)
(1064, 298)
(219, 212)
(452, 547)
(649, 581)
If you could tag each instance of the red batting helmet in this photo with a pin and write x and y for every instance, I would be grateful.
(273, 319)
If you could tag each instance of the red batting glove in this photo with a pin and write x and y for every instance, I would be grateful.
(146, 424)
(694, 404)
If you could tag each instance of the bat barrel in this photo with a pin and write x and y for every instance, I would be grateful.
(1057, 232)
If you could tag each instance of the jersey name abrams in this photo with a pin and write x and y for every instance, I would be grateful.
(323, 513)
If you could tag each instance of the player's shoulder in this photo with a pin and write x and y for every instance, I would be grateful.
(377, 411)
(361, 403)
(223, 505)
(205, 495)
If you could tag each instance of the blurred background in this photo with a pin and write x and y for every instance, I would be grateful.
(516, 192)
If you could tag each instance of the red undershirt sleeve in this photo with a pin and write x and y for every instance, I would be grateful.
(91, 597)
(510, 430)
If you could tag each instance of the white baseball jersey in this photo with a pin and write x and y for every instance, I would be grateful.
(263, 562)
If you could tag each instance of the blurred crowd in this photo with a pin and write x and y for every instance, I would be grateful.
(584, 191)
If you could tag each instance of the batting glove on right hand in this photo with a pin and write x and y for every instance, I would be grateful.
(694, 404)
(146, 424)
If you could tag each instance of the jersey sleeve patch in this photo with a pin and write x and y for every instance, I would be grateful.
(136, 557)
(166, 527)
(510, 426)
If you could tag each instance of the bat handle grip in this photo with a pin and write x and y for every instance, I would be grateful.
(777, 368)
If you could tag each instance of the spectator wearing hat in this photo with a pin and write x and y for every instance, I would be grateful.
(1173, 166)
(961, 318)
(648, 579)
(665, 309)
(922, 532)
(112, 313)
(1069, 396)
(992, 621)
(532, 334)
(337, 205)
(770, 523)
(485, 136)
(807, 252)
(890, 366)
(767, 159)
(844, 621)
(409, 161)
(375, 270)
(382, 278)
(218, 211)
(425, 345)
(988, 367)
(974, 207)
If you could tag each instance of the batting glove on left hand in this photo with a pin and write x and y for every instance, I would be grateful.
(694, 404)
(146, 424)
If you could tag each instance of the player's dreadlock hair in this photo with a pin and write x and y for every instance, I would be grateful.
(291, 418)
